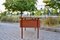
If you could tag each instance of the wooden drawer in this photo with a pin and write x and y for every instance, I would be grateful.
(30, 23)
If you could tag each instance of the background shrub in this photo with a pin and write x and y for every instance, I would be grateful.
(50, 21)
(9, 19)
(58, 19)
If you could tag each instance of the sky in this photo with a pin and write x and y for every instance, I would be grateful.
(39, 5)
(2, 8)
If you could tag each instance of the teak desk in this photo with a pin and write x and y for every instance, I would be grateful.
(29, 22)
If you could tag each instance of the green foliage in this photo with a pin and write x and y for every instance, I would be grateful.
(53, 3)
(54, 11)
(46, 1)
(20, 5)
(3, 14)
(46, 11)
(38, 13)
(0, 17)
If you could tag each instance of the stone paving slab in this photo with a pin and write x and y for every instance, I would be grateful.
(10, 31)
(57, 29)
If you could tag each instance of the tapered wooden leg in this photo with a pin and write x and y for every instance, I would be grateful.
(38, 32)
(22, 33)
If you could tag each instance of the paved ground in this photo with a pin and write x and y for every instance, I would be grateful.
(10, 31)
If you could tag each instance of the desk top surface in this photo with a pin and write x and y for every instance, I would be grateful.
(29, 17)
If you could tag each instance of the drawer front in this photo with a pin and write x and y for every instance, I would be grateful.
(30, 23)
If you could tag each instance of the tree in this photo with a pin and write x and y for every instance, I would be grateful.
(52, 3)
(45, 11)
(54, 11)
(38, 13)
(3, 13)
(20, 5)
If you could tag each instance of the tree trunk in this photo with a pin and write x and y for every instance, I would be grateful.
(21, 13)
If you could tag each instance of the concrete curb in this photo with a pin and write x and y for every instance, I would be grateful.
(50, 29)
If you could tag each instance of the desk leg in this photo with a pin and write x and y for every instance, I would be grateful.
(22, 33)
(38, 32)
(25, 29)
